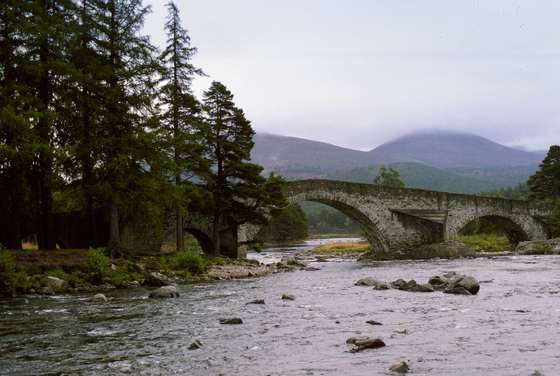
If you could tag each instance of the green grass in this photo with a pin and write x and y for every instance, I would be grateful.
(347, 248)
(486, 243)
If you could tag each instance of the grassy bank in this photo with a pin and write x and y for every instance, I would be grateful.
(26, 271)
(480, 243)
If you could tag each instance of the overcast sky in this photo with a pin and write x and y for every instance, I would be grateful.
(359, 73)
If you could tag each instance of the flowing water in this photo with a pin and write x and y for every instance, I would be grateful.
(511, 327)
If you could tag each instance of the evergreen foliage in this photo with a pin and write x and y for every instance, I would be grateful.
(321, 216)
(389, 178)
(545, 183)
(291, 224)
(239, 191)
(182, 125)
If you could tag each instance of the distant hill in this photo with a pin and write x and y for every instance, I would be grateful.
(452, 162)
(432, 178)
(275, 153)
(447, 150)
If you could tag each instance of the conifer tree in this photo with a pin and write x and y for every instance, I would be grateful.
(15, 126)
(114, 139)
(35, 69)
(239, 192)
(181, 117)
(545, 183)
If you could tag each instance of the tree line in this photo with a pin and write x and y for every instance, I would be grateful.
(94, 118)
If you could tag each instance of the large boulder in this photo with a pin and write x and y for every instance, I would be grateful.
(369, 281)
(158, 279)
(467, 283)
(401, 367)
(408, 286)
(57, 284)
(539, 247)
(165, 292)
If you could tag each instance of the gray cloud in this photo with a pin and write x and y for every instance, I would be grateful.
(360, 73)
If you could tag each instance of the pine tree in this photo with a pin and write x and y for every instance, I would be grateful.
(238, 190)
(114, 139)
(15, 126)
(545, 183)
(181, 117)
(35, 69)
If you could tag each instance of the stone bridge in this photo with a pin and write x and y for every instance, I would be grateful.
(399, 219)
(393, 220)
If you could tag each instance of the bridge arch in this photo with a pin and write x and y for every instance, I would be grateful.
(370, 224)
(517, 226)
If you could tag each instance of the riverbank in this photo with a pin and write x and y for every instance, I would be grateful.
(124, 274)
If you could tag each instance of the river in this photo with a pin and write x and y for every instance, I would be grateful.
(511, 327)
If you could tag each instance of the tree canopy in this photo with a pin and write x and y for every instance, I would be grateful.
(389, 178)
(94, 119)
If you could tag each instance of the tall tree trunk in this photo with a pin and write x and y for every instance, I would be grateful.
(15, 201)
(114, 246)
(180, 232)
(216, 234)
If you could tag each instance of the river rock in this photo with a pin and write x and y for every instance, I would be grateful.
(382, 286)
(46, 291)
(402, 367)
(57, 284)
(288, 260)
(365, 342)
(257, 301)
(408, 286)
(158, 279)
(288, 297)
(467, 282)
(195, 345)
(19, 301)
(98, 298)
(165, 292)
(457, 290)
(551, 246)
(438, 281)
(396, 284)
(424, 287)
(231, 321)
(369, 281)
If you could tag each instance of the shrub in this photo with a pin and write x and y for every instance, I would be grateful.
(58, 273)
(97, 263)
(191, 243)
(8, 275)
(189, 261)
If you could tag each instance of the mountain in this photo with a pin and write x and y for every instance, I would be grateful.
(276, 153)
(452, 162)
(448, 150)
(438, 149)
